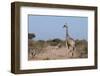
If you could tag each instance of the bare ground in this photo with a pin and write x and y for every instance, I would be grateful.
(53, 53)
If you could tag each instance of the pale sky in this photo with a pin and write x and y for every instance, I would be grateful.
(50, 27)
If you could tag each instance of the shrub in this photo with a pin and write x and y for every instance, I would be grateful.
(54, 42)
(82, 45)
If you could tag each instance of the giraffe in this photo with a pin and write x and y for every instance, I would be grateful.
(70, 42)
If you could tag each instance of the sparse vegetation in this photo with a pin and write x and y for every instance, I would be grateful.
(82, 46)
(40, 45)
(55, 42)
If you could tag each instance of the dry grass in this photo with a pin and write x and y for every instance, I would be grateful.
(55, 49)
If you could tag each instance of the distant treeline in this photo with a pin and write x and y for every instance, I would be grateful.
(56, 41)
